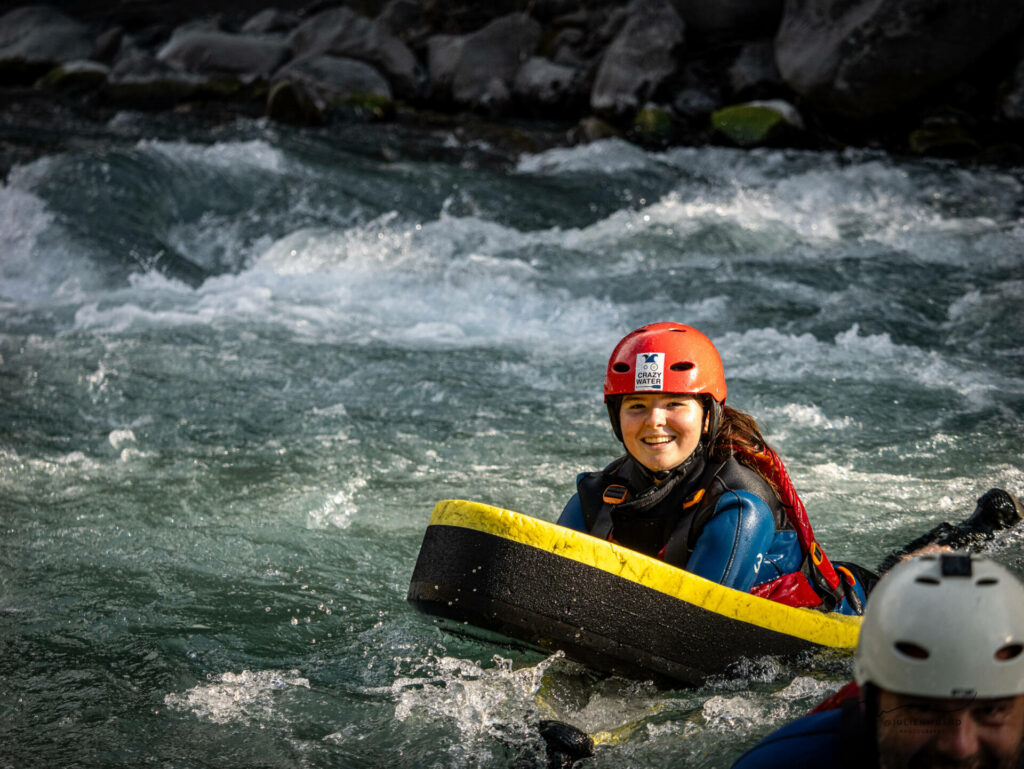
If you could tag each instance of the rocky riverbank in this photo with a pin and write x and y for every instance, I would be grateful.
(925, 77)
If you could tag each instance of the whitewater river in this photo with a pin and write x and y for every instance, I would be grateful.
(237, 374)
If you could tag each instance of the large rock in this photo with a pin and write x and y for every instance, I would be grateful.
(213, 53)
(642, 56)
(542, 83)
(1012, 105)
(405, 19)
(583, 36)
(490, 58)
(331, 79)
(443, 54)
(291, 103)
(37, 37)
(139, 79)
(943, 136)
(341, 32)
(754, 70)
(868, 57)
(722, 20)
(700, 91)
(270, 20)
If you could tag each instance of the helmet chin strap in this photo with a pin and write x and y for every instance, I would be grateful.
(713, 420)
(614, 404)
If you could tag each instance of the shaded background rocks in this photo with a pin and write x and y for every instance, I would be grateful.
(929, 77)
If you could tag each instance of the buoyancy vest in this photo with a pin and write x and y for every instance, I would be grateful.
(675, 513)
(624, 504)
(816, 583)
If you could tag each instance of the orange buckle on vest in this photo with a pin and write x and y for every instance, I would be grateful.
(816, 555)
(696, 497)
(614, 494)
(847, 575)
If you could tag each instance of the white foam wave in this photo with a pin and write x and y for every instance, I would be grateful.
(119, 438)
(454, 282)
(798, 198)
(851, 355)
(804, 415)
(249, 696)
(981, 313)
(233, 156)
(478, 701)
(36, 262)
(741, 712)
(339, 508)
(605, 156)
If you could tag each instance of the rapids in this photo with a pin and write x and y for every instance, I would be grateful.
(238, 373)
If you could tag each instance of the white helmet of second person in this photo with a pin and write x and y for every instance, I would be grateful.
(947, 625)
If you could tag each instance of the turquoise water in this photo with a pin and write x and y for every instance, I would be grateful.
(237, 373)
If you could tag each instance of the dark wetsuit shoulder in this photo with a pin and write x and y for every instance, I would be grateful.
(807, 743)
(735, 476)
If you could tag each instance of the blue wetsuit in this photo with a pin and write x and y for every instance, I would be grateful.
(833, 738)
(736, 533)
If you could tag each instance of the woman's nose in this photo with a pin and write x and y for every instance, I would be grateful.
(656, 416)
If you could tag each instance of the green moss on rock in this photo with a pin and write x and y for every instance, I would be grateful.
(368, 105)
(750, 125)
(943, 140)
(654, 126)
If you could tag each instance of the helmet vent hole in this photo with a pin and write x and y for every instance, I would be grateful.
(1009, 652)
(621, 368)
(928, 580)
(987, 582)
(681, 366)
(912, 650)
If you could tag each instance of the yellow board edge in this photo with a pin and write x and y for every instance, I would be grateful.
(837, 631)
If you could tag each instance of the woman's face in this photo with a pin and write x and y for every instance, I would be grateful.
(661, 430)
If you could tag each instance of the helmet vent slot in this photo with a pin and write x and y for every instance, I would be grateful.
(987, 582)
(681, 366)
(912, 650)
(1009, 652)
(621, 368)
(928, 580)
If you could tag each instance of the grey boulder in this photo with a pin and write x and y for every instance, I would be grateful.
(642, 56)
(869, 57)
(209, 52)
(343, 33)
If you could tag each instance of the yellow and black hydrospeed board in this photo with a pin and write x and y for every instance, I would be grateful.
(604, 605)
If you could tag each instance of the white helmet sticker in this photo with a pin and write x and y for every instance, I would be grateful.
(650, 371)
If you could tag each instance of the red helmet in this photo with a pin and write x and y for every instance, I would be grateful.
(665, 357)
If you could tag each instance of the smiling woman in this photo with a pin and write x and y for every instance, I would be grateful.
(698, 486)
(661, 431)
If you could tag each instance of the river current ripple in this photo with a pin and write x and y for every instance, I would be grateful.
(237, 375)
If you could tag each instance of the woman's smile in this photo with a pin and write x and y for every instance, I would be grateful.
(661, 430)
